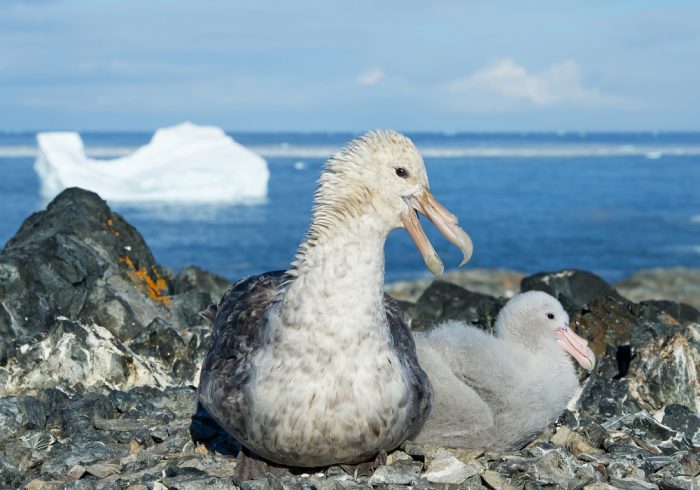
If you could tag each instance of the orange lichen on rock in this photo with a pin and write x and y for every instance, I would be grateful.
(156, 289)
(114, 232)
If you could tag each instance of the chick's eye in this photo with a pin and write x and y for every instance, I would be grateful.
(401, 172)
(550, 316)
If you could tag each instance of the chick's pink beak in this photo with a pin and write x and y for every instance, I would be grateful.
(576, 346)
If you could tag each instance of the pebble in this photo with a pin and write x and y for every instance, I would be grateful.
(496, 481)
(400, 473)
(446, 468)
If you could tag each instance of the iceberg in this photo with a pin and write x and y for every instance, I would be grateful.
(183, 163)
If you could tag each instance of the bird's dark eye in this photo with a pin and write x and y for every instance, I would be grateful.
(401, 172)
(550, 316)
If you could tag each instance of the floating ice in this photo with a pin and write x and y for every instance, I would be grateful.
(183, 163)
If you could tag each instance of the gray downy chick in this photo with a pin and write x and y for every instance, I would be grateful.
(494, 391)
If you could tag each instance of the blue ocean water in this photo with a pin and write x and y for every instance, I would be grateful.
(607, 202)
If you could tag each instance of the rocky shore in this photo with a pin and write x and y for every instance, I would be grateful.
(100, 348)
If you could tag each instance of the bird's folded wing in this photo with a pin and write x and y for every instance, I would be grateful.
(459, 415)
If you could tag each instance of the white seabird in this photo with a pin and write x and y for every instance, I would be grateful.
(316, 366)
(494, 391)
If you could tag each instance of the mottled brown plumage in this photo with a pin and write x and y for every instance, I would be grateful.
(316, 366)
(236, 337)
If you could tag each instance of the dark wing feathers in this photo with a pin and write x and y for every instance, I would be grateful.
(405, 348)
(236, 335)
(240, 311)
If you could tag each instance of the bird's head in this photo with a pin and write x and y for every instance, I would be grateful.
(381, 176)
(536, 319)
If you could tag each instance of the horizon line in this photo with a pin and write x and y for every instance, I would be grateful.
(361, 131)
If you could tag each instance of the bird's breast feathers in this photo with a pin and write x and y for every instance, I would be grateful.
(306, 394)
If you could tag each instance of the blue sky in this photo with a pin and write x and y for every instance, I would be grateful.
(330, 65)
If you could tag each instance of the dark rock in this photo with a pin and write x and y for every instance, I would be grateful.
(594, 434)
(680, 311)
(605, 398)
(574, 288)
(83, 453)
(399, 473)
(473, 483)
(632, 484)
(554, 468)
(258, 484)
(445, 301)
(53, 400)
(19, 414)
(196, 279)
(682, 419)
(605, 323)
(79, 416)
(182, 401)
(163, 341)
(679, 483)
(203, 482)
(568, 418)
(133, 402)
(80, 260)
(78, 268)
(10, 476)
(193, 290)
(410, 312)
(650, 434)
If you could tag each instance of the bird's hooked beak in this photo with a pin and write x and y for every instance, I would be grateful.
(576, 346)
(443, 220)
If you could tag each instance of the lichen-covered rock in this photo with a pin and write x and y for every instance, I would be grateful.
(665, 372)
(75, 357)
(80, 260)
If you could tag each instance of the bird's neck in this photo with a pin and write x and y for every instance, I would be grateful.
(338, 278)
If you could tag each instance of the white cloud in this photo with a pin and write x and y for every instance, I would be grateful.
(370, 77)
(504, 84)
